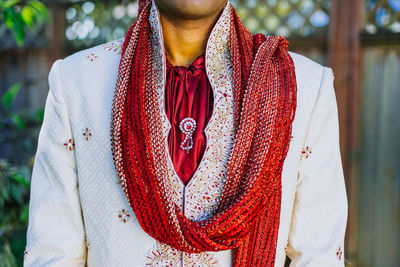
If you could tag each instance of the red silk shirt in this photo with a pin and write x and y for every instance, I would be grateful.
(188, 95)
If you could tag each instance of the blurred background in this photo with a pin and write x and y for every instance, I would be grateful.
(359, 39)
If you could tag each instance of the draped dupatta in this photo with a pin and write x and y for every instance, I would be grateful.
(264, 91)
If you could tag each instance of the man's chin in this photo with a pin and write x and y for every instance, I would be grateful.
(190, 9)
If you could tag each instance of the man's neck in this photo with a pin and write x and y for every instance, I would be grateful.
(186, 39)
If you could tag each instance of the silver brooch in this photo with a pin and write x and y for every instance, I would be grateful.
(188, 127)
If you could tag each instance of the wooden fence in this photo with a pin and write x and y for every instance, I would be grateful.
(367, 84)
(379, 159)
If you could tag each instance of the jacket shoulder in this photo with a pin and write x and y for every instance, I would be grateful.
(304, 64)
(308, 75)
(93, 59)
(87, 73)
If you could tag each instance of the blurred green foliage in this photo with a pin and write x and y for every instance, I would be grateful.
(16, 120)
(14, 194)
(14, 180)
(19, 16)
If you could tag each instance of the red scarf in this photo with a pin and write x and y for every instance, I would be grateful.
(247, 217)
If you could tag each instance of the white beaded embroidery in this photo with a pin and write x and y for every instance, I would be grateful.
(114, 46)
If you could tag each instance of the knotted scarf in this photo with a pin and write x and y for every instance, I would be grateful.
(248, 212)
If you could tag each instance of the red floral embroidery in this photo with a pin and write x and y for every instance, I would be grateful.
(25, 252)
(124, 216)
(339, 254)
(92, 57)
(87, 244)
(87, 134)
(306, 152)
(69, 145)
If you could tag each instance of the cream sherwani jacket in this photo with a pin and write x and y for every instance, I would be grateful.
(80, 216)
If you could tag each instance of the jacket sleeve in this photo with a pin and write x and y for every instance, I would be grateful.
(55, 234)
(319, 218)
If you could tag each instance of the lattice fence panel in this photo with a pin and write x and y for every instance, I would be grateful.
(382, 16)
(289, 18)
